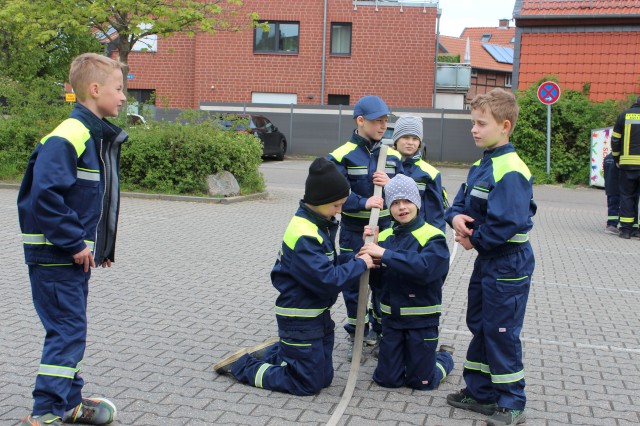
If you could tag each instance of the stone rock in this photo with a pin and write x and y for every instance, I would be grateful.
(223, 184)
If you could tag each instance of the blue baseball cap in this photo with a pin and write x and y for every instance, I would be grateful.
(370, 107)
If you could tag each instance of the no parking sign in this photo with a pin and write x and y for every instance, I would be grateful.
(549, 93)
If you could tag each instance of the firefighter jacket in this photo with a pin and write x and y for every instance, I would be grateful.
(625, 139)
(70, 194)
(357, 160)
(413, 269)
(432, 195)
(308, 277)
(498, 195)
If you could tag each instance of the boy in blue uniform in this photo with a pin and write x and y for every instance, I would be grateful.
(357, 160)
(68, 211)
(407, 139)
(415, 262)
(308, 277)
(492, 214)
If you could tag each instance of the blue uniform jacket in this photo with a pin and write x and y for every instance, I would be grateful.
(625, 139)
(414, 267)
(308, 277)
(498, 195)
(357, 161)
(70, 194)
(429, 184)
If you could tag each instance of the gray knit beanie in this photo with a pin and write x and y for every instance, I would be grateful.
(401, 187)
(408, 125)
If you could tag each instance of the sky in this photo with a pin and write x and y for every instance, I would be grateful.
(459, 14)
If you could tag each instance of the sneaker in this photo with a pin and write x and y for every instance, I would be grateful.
(635, 233)
(372, 338)
(505, 416)
(624, 234)
(610, 229)
(260, 350)
(461, 400)
(350, 350)
(447, 348)
(225, 365)
(92, 411)
(47, 419)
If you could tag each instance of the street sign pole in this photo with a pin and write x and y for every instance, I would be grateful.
(548, 93)
(548, 138)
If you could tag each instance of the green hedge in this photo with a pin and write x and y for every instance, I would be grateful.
(163, 156)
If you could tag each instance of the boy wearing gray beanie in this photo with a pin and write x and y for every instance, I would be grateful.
(414, 259)
(407, 140)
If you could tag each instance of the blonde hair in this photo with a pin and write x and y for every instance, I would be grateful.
(90, 68)
(501, 104)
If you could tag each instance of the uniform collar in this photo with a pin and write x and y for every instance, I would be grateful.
(316, 218)
(416, 223)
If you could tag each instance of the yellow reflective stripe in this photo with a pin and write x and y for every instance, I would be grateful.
(509, 162)
(482, 193)
(629, 160)
(55, 264)
(420, 310)
(477, 366)
(300, 345)
(444, 372)
(72, 130)
(428, 169)
(627, 219)
(507, 378)
(300, 313)
(340, 152)
(393, 153)
(260, 374)
(382, 236)
(365, 214)
(57, 371)
(39, 239)
(519, 238)
(88, 175)
(513, 279)
(385, 309)
(425, 233)
(299, 227)
(616, 135)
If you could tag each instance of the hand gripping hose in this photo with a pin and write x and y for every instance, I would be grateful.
(363, 298)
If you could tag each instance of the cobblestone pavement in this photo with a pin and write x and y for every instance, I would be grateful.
(191, 284)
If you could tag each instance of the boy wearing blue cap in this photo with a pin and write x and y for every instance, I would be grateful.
(357, 160)
(308, 278)
(414, 261)
(407, 140)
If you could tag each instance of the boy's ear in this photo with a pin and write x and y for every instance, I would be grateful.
(94, 89)
(506, 126)
(360, 121)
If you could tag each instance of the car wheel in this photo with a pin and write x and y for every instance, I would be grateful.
(282, 149)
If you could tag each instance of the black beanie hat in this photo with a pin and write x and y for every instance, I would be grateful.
(325, 184)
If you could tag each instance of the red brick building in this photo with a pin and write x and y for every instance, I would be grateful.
(588, 43)
(385, 48)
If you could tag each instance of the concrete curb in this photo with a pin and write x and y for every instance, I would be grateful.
(184, 198)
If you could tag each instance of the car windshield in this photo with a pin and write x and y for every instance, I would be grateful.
(388, 134)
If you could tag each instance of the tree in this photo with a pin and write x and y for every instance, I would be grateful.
(123, 23)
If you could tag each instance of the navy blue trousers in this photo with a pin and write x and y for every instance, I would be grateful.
(60, 298)
(298, 367)
(408, 357)
(498, 293)
(629, 191)
(350, 244)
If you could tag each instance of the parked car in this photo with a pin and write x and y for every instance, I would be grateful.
(273, 141)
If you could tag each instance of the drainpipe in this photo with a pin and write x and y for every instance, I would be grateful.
(324, 51)
(435, 70)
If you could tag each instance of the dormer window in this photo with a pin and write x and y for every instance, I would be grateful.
(485, 38)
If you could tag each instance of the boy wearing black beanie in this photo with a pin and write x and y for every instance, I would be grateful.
(309, 279)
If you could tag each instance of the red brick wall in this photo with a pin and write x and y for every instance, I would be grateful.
(392, 55)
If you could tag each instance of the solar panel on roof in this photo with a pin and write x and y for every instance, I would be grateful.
(502, 54)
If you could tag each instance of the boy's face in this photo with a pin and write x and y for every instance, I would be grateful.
(487, 132)
(109, 97)
(372, 130)
(407, 145)
(403, 211)
(330, 210)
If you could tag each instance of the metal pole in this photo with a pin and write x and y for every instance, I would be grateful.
(324, 51)
(548, 138)
(339, 123)
(435, 69)
(290, 126)
(441, 134)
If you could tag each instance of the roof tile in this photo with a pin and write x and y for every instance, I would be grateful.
(579, 8)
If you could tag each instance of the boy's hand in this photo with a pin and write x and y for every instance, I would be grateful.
(84, 258)
(459, 223)
(367, 259)
(464, 242)
(107, 263)
(374, 201)
(368, 232)
(380, 178)
(372, 250)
